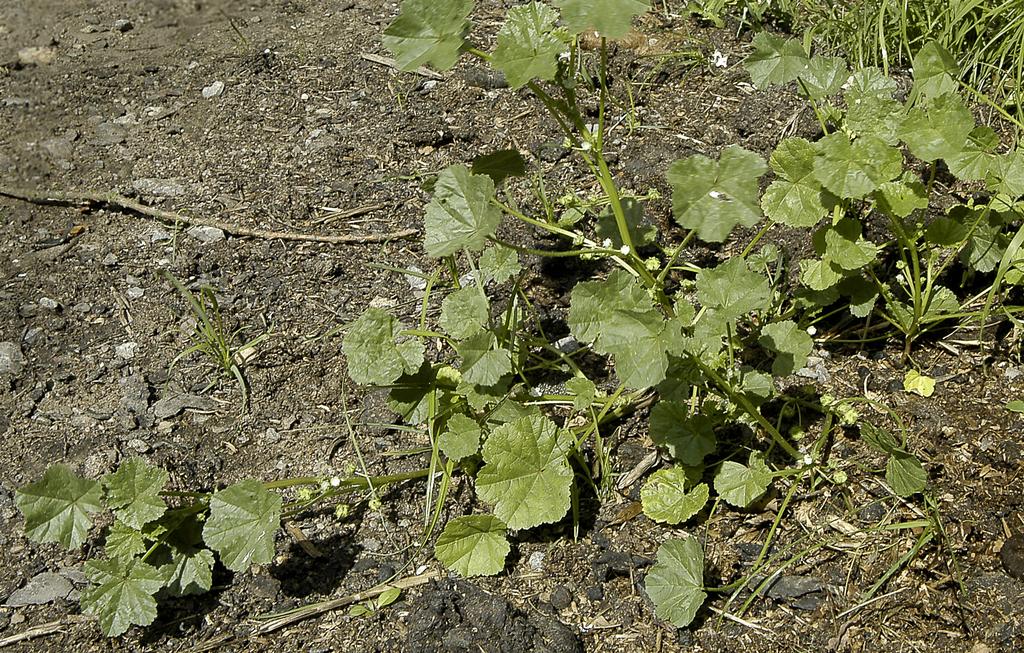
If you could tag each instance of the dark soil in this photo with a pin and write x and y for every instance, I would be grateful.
(304, 126)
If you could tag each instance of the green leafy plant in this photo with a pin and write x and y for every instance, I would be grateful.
(857, 172)
(163, 543)
(213, 341)
(524, 411)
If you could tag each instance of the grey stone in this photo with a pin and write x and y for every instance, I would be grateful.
(108, 133)
(46, 587)
(49, 304)
(1012, 556)
(171, 406)
(123, 25)
(134, 292)
(815, 369)
(12, 361)
(171, 187)
(206, 235)
(213, 90)
(792, 587)
(561, 598)
(110, 260)
(139, 445)
(126, 350)
(537, 560)
(36, 55)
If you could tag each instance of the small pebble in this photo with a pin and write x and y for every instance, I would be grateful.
(561, 598)
(139, 445)
(537, 560)
(206, 235)
(213, 90)
(12, 361)
(123, 25)
(36, 56)
(126, 350)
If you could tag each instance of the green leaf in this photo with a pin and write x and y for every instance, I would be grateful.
(775, 61)
(938, 131)
(687, 439)
(618, 317)
(189, 572)
(987, 243)
(851, 170)
(460, 215)
(935, 71)
(461, 439)
(526, 476)
(584, 392)
(845, 247)
(133, 492)
(945, 232)
(871, 109)
(732, 289)
(499, 264)
(640, 232)
(791, 344)
(184, 562)
(977, 159)
(795, 199)
(820, 274)
(388, 596)
(904, 473)
(482, 362)
(464, 312)
(942, 301)
(474, 545)
(918, 383)
(1006, 174)
(676, 582)
(122, 594)
(527, 47)
(123, 542)
(869, 82)
(712, 197)
(903, 196)
(57, 507)
(665, 497)
(374, 355)
(742, 485)
(500, 165)
(243, 520)
(609, 18)
(428, 32)
(879, 439)
(411, 394)
(824, 76)
(861, 293)
(1015, 406)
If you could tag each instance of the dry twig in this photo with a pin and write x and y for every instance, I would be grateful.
(89, 199)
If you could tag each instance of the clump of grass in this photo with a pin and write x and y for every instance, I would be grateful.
(985, 36)
(213, 340)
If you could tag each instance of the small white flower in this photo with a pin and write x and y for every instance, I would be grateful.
(811, 330)
(808, 460)
(718, 59)
(586, 146)
(335, 481)
(625, 250)
(606, 243)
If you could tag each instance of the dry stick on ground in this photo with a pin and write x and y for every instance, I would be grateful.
(126, 205)
(49, 628)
